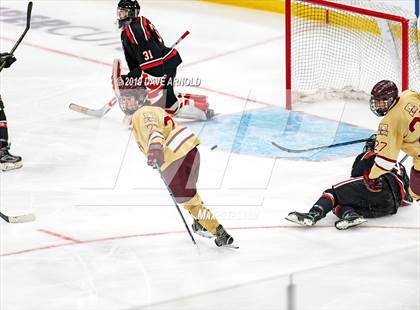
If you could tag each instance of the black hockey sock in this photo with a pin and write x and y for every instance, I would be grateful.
(342, 211)
(325, 203)
(4, 135)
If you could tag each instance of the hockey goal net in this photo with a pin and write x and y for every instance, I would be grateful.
(342, 49)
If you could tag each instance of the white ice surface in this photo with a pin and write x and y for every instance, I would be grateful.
(107, 235)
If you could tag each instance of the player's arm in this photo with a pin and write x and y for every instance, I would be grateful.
(129, 58)
(388, 144)
(152, 127)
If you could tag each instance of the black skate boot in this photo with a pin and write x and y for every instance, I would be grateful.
(349, 219)
(307, 219)
(223, 238)
(200, 230)
(9, 161)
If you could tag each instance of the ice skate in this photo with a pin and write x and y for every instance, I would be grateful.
(349, 220)
(200, 230)
(306, 219)
(9, 161)
(223, 239)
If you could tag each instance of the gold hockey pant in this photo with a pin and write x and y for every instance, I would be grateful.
(199, 212)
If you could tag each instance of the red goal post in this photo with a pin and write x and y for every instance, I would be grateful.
(322, 17)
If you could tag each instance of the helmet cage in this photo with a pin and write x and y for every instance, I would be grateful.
(126, 13)
(132, 99)
(381, 109)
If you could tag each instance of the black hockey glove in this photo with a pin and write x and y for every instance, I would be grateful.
(7, 58)
(370, 144)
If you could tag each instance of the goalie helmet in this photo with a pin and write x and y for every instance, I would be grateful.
(127, 10)
(131, 99)
(384, 95)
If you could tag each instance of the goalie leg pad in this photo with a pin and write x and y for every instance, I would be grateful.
(191, 106)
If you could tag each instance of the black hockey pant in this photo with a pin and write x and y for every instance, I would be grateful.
(352, 195)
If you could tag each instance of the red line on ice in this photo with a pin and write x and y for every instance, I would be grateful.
(182, 231)
(48, 49)
(88, 59)
(240, 49)
(61, 236)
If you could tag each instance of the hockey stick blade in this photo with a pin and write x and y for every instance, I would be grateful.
(92, 112)
(18, 218)
(318, 147)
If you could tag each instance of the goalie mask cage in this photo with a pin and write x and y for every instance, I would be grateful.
(342, 50)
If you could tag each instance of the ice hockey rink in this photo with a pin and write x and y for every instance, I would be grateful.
(107, 235)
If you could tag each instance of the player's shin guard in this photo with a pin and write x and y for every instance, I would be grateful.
(415, 184)
(325, 203)
(200, 213)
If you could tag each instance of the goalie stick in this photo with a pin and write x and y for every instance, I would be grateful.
(92, 112)
(28, 25)
(18, 218)
(318, 147)
(105, 109)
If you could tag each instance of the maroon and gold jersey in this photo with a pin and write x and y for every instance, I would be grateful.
(398, 130)
(151, 124)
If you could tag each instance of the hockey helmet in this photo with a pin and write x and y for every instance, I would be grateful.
(384, 95)
(132, 98)
(127, 10)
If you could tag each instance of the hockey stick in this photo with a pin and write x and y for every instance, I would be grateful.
(157, 167)
(105, 109)
(28, 25)
(180, 39)
(94, 112)
(318, 147)
(18, 218)
(403, 159)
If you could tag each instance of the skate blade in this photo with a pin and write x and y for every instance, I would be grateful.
(204, 234)
(10, 166)
(294, 219)
(230, 246)
(343, 224)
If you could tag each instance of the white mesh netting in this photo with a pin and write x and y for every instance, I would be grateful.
(337, 53)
